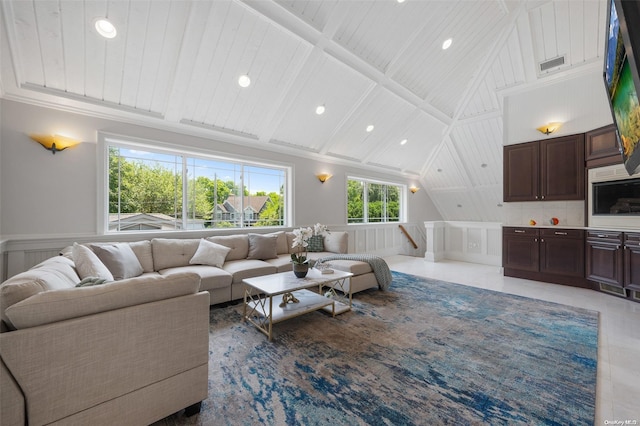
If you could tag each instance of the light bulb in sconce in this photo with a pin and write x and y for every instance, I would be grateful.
(414, 189)
(323, 177)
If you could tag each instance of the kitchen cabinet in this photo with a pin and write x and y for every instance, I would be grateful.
(602, 148)
(605, 260)
(632, 264)
(546, 170)
(613, 262)
(547, 254)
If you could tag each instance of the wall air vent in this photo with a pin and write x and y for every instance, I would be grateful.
(551, 63)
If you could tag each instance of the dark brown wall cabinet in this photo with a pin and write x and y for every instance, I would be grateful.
(547, 254)
(546, 170)
(613, 261)
(601, 147)
(632, 264)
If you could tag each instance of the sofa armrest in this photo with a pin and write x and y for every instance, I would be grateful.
(59, 305)
(65, 367)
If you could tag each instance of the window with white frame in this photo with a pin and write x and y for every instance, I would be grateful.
(371, 201)
(153, 189)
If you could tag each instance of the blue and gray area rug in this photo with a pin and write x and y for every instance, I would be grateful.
(425, 352)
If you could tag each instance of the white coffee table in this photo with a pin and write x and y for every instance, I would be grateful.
(263, 308)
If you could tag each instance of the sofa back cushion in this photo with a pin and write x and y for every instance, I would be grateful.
(53, 274)
(239, 245)
(143, 252)
(171, 253)
(59, 305)
(336, 242)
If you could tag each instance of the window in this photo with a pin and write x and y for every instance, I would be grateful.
(373, 202)
(151, 189)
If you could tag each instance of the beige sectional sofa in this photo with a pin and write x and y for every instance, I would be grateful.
(134, 349)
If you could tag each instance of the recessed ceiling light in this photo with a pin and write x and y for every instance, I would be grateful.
(400, 1)
(244, 80)
(447, 44)
(370, 128)
(320, 109)
(403, 141)
(105, 28)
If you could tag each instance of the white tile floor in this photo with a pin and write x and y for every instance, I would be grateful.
(618, 388)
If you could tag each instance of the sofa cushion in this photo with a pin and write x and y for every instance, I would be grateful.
(169, 253)
(210, 253)
(52, 274)
(354, 266)
(282, 246)
(282, 262)
(210, 277)
(143, 252)
(248, 268)
(58, 305)
(336, 242)
(120, 259)
(88, 264)
(262, 247)
(239, 245)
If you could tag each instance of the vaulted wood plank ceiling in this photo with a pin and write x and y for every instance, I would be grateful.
(373, 63)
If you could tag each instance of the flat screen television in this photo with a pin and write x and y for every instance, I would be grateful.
(621, 78)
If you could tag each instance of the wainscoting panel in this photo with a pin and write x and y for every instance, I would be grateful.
(476, 242)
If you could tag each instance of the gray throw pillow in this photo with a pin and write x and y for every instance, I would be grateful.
(120, 259)
(263, 247)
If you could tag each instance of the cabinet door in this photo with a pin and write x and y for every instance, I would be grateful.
(521, 179)
(632, 262)
(601, 147)
(562, 161)
(562, 252)
(604, 262)
(520, 250)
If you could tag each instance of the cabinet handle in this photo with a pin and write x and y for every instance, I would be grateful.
(560, 233)
(542, 240)
(543, 197)
(537, 197)
(536, 240)
(519, 231)
(602, 235)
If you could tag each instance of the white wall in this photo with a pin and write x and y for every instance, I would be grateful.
(55, 195)
(579, 102)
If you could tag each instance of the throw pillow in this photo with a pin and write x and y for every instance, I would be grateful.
(316, 243)
(263, 247)
(209, 253)
(88, 264)
(119, 259)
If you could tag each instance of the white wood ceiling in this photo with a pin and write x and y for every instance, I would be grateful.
(376, 62)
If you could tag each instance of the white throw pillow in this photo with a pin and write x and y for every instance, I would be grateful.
(209, 253)
(88, 264)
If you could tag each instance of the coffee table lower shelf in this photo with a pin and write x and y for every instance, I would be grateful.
(263, 312)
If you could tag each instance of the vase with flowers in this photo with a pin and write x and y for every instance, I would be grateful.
(301, 239)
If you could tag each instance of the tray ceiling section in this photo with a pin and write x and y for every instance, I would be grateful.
(574, 29)
(67, 56)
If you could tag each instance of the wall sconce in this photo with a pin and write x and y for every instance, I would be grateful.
(414, 189)
(323, 177)
(547, 129)
(54, 143)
